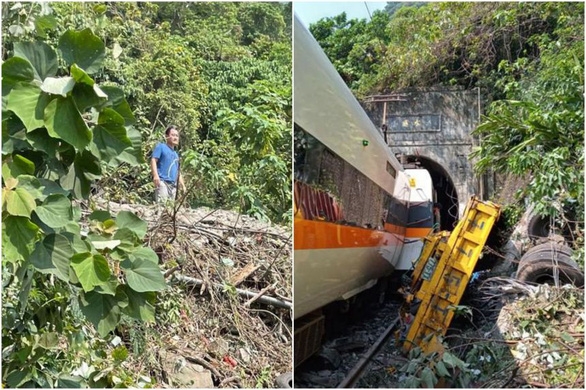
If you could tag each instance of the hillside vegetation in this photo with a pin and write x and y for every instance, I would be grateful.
(220, 72)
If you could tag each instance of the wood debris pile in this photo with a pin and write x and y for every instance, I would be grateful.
(226, 319)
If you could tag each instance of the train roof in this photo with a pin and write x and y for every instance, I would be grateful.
(326, 108)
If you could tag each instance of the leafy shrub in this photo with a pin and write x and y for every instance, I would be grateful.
(59, 129)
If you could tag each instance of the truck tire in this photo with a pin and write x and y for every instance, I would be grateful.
(539, 264)
(284, 381)
(538, 226)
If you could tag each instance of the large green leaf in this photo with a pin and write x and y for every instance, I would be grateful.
(140, 305)
(77, 243)
(105, 244)
(41, 140)
(100, 215)
(18, 377)
(110, 135)
(428, 377)
(19, 202)
(32, 185)
(132, 155)
(86, 96)
(81, 77)
(14, 136)
(49, 340)
(15, 70)
(49, 187)
(44, 23)
(28, 102)
(129, 220)
(42, 57)
(78, 179)
(18, 238)
(82, 48)
(91, 270)
(55, 211)
(441, 369)
(52, 255)
(18, 166)
(103, 310)
(128, 240)
(58, 85)
(63, 120)
(117, 101)
(70, 382)
(145, 253)
(109, 287)
(143, 275)
(25, 289)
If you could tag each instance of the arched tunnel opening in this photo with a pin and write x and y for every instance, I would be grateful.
(447, 196)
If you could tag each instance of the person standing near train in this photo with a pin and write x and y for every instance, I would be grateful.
(165, 167)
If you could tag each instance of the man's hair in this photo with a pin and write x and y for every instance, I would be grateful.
(172, 127)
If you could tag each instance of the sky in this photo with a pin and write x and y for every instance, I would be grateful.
(311, 12)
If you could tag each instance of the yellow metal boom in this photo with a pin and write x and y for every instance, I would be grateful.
(443, 271)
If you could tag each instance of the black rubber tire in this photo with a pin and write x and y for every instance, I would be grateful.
(538, 226)
(284, 381)
(538, 264)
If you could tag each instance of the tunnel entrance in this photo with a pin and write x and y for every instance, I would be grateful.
(447, 197)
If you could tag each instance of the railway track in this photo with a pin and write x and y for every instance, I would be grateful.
(346, 357)
(356, 372)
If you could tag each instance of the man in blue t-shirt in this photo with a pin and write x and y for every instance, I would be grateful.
(165, 167)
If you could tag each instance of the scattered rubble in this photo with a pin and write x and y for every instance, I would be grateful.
(225, 320)
(339, 354)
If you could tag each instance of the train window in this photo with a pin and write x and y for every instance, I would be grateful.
(331, 173)
(391, 170)
(307, 154)
(358, 200)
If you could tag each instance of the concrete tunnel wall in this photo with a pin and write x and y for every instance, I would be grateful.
(437, 125)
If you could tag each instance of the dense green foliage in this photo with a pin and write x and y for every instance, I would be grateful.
(59, 129)
(527, 59)
(195, 65)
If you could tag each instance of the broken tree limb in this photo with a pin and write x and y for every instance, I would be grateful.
(245, 293)
(260, 294)
(205, 363)
(244, 273)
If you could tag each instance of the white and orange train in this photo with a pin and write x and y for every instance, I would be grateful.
(359, 215)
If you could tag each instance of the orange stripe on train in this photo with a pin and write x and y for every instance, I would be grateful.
(417, 232)
(328, 235)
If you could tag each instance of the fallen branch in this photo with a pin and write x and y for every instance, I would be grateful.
(228, 380)
(171, 271)
(206, 364)
(244, 273)
(276, 256)
(229, 228)
(245, 293)
(260, 294)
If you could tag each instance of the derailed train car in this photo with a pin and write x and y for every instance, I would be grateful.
(358, 214)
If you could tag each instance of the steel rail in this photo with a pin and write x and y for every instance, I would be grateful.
(357, 371)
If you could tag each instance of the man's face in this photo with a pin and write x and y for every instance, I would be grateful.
(173, 137)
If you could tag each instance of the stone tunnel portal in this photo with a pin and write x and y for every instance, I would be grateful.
(447, 196)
